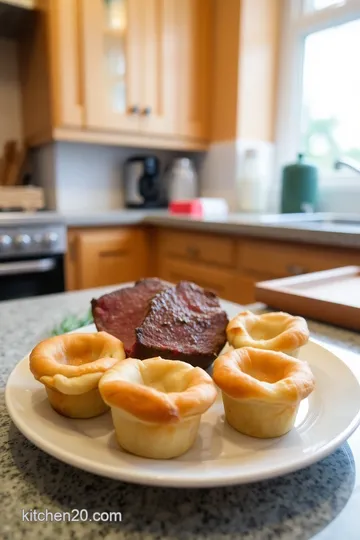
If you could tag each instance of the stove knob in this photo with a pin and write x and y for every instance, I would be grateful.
(5, 242)
(23, 241)
(49, 239)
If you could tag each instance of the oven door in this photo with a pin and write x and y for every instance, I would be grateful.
(34, 276)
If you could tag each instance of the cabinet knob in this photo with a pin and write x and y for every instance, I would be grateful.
(192, 251)
(146, 111)
(134, 109)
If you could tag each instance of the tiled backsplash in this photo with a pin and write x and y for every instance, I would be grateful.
(86, 176)
(222, 167)
(89, 177)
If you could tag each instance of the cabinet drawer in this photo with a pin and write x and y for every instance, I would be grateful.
(217, 250)
(219, 280)
(277, 259)
(105, 257)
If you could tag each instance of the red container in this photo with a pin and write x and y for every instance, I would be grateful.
(189, 208)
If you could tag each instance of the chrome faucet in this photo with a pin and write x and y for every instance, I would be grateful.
(347, 163)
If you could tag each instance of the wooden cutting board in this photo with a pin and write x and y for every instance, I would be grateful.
(331, 296)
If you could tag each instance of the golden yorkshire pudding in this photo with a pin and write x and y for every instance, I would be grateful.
(157, 404)
(70, 366)
(271, 331)
(262, 390)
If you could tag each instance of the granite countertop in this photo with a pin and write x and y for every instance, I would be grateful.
(295, 227)
(319, 502)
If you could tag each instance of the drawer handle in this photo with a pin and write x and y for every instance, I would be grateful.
(112, 253)
(193, 251)
(296, 270)
(135, 109)
(215, 287)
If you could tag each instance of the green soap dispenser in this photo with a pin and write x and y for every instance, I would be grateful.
(299, 187)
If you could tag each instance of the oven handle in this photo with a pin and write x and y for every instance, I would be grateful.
(26, 267)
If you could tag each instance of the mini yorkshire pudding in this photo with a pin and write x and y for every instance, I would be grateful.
(262, 390)
(70, 367)
(271, 331)
(157, 404)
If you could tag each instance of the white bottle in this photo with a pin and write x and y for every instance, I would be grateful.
(182, 180)
(251, 188)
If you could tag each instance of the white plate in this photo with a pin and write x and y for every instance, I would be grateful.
(220, 456)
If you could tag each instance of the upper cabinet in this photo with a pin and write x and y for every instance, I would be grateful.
(67, 87)
(158, 102)
(128, 65)
(112, 60)
(193, 33)
(127, 71)
(51, 71)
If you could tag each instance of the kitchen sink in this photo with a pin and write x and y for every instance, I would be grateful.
(344, 221)
(319, 220)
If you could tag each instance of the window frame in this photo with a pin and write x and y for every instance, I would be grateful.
(296, 24)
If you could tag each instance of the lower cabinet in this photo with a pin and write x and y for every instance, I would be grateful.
(107, 256)
(228, 265)
(270, 259)
(245, 287)
(219, 280)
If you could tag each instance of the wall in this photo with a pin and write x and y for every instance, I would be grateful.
(80, 177)
(222, 168)
(10, 109)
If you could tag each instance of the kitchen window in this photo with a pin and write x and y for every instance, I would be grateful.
(319, 105)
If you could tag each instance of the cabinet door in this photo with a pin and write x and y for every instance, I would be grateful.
(158, 103)
(192, 63)
(109, 256)
(66, 61)
(221, 281)
(112, 45)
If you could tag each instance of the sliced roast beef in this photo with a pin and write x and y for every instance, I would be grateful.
(184, 323)
(122, 311)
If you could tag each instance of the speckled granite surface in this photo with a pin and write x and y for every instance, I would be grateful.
(319, 502)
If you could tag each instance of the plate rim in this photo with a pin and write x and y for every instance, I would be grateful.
(100, 469)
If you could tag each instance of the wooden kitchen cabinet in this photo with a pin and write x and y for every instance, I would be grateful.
(131, 72)
(158, 105)
(50, 71)
(208, 260)
(245, 286)
(220, 280)
(262, 260)
(280, 259)
(232, 266)
(154, 58)
(205, 248)
(229, 265)
(192, 68)
(112, 47)
(100, 257)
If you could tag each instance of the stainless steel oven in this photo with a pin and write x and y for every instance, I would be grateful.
(31, 260)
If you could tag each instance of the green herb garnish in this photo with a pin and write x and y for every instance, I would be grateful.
(72, 322)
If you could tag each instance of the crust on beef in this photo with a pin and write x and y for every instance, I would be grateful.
(183, 323)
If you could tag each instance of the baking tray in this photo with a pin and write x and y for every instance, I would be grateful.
(331, 296)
